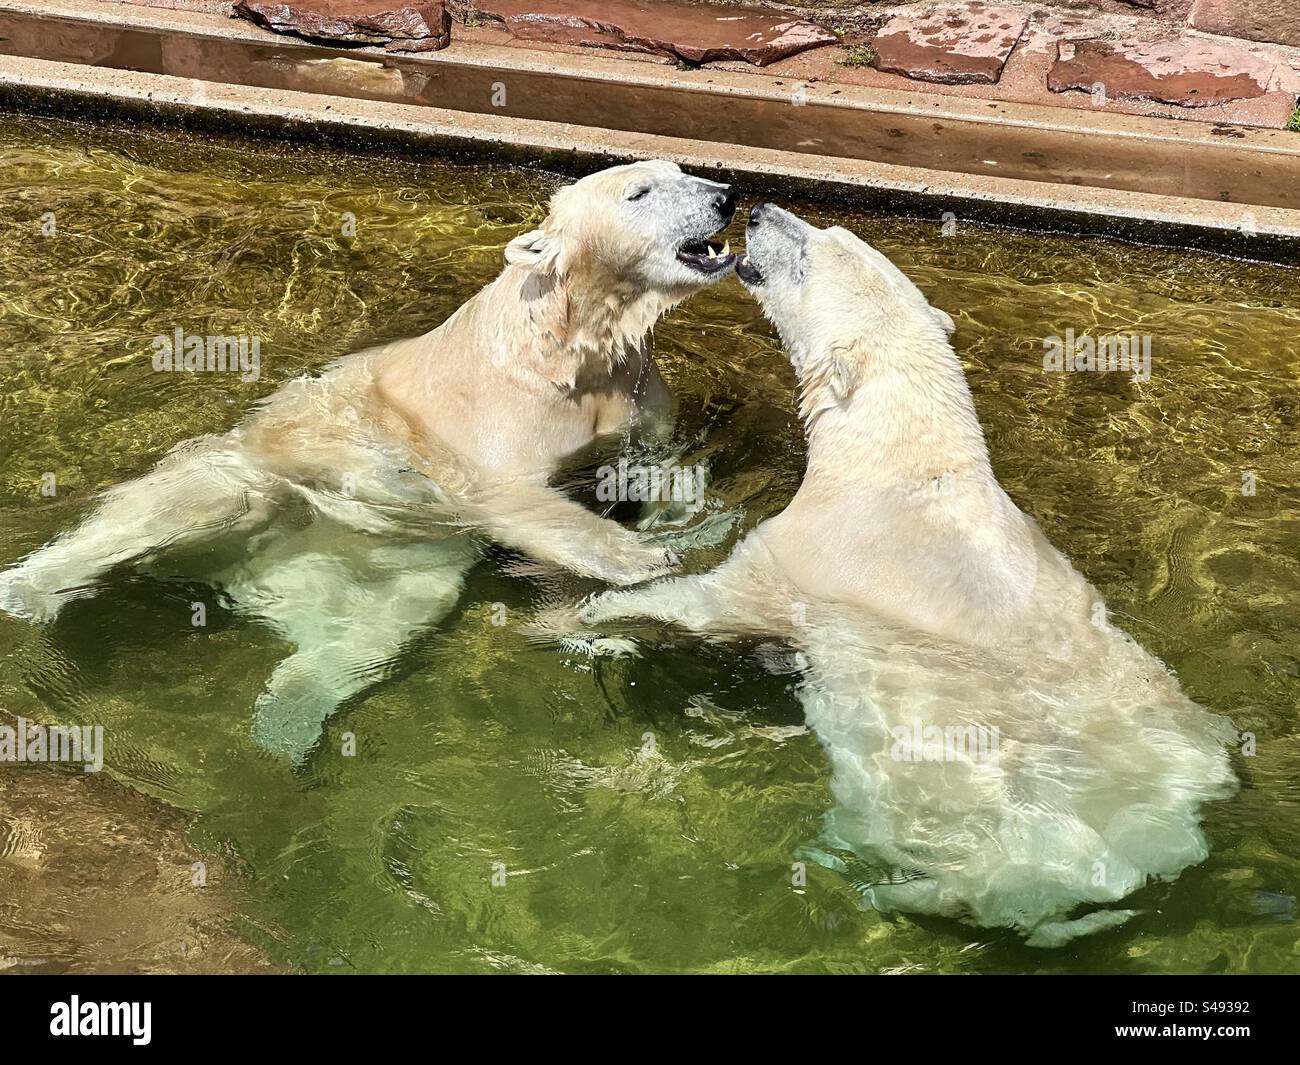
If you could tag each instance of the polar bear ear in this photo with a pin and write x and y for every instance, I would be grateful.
(535, 250)
(842, 372)
(945, 320)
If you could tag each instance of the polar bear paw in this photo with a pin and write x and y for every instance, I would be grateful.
(563, 626)
(23, 598)
(649, 565)
(600, 646)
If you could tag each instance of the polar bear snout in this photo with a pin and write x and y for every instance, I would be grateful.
(775, 248)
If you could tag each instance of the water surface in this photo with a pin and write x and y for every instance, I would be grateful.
(646, 811)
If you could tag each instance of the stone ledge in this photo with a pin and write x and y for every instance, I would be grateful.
(737, 110)
(1024, 77)
(1246, 230)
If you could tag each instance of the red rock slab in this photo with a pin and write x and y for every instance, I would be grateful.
(1177, 70)
(966, 44)
(416, 26)
(1277, 21)
(697, 33)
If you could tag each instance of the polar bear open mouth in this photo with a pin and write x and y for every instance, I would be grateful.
(748, 272)
(706, 256)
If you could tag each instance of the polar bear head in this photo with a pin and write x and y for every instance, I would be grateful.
(833, 296)
(872, 356)
(637, 230)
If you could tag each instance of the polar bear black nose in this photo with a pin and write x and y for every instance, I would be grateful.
(725, 202)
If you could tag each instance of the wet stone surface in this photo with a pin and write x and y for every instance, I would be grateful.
(95, 878)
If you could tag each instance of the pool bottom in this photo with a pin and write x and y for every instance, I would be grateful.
(147, 901)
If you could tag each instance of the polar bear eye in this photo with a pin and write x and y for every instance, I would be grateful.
(636, 194)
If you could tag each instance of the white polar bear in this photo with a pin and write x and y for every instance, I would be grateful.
(1000, 752)
(378, 467)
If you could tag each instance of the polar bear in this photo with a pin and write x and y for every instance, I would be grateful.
(1000, 752)
(376, 470)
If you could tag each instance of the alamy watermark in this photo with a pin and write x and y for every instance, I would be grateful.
(650, 484)
(216, 354)
(919, 742)
(30, 742)
(1113, 353)
(77, 1018)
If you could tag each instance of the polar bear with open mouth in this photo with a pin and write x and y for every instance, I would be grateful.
(1000, 752)
(376, 471)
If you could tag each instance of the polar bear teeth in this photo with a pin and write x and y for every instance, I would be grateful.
(706, 255)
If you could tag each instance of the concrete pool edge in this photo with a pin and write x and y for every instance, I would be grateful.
(77, 91)
(739, 108)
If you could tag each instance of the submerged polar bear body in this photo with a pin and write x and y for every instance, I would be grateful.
(341, 511)
(1087, 780)
(926, 604)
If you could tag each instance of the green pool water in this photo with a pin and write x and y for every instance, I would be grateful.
(646, 811)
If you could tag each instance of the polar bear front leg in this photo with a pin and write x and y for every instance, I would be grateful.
(683, 601)
(743, 596)
(546, 525)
